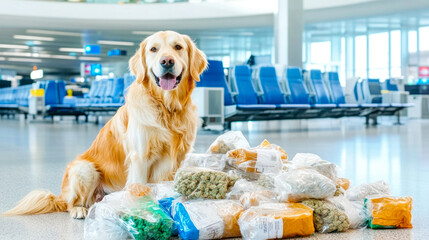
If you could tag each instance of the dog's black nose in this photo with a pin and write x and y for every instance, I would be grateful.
(167, 62)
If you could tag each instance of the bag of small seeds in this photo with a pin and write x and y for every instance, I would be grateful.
(326, 217)
(196, 182)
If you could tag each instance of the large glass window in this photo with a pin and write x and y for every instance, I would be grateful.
(320, 54)
(424, 39)
(361, 64)
(395, 53)
(379, 55)
(412, 41)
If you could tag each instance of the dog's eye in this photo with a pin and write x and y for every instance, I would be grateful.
(153, 49)
(178, 47)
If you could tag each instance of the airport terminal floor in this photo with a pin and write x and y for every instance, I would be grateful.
(35, 155)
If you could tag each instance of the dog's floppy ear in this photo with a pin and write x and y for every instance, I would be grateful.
(137, 63)
(197, 59)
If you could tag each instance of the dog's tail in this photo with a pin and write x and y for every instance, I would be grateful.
(38, 202)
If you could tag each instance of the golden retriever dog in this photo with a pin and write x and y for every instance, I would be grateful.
(148, 137)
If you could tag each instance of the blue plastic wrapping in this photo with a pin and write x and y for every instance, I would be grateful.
(187, 229)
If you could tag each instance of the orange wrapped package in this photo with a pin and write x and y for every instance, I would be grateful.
(344, 183)
(390, 212)
(266, 158)
(276, 221)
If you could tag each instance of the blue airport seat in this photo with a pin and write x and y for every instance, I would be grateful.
(214, 76)
(390, 86)
(337, 92)
(247, 98)
(321, 92)
(118, 90)
(107, 95)
(371, 93)
(273, 94)
(298, 92)
(62, 92)
(51, 92)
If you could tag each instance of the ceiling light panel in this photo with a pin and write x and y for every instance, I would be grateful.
(25, 60)
(59, 33)
(37, 38)
(72, 50)
(14, 46)
(90, 58)
(118, 43)
(16, 54)
(143, 32)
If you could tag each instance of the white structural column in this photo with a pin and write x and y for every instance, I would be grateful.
(288, 31)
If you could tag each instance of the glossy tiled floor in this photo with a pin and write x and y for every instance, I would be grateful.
(33, 156)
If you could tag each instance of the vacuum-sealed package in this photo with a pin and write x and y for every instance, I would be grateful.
(300, 184)
(310, 160)
(207, 219)
(276, 221)
(251, 194)
(228, 141)
(389, 212)
(365, 190)
(128, 214)
(354, 210)
(327, 217)
(195, 182)
(256, 160)
(212, 161)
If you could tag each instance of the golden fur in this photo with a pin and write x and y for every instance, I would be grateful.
(145, 141)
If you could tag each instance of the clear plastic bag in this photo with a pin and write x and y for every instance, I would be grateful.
(128, 214)
(366, 190)
(256, 160)
(208, 219)
(327, 217)
(267, 145)
(250, 194)
(389, 212)
(276, 221)
(163, 190)
(195, 182)
(354, 210)
(228, 141)
(310, 160)
(300, 184)
(104, 221)
(213, 161)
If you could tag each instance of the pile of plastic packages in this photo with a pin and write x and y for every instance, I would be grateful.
(234, 190)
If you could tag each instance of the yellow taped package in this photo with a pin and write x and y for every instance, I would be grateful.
(276, 221)
(390, 212)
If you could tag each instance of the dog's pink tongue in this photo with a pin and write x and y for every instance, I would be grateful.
(167, 83)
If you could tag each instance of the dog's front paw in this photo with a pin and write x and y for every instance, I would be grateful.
(79, 212)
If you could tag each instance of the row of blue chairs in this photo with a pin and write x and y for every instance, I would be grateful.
(104, 95)
(258, 94)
